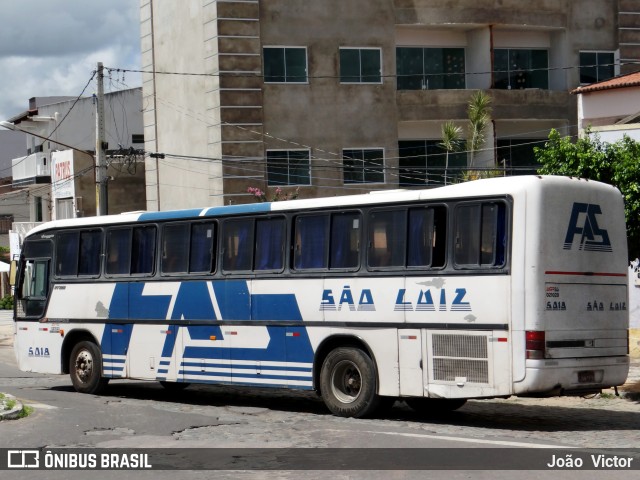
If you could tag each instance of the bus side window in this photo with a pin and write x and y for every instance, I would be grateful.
(480, 235)
(311, 241)
(269, 251)
(237, 238)
(118, 251)
(90, 250)
(143, 249)
(421, 237)
(387, 238)
(345, 241)
(175, 255)
(201, 254)
(67, 254)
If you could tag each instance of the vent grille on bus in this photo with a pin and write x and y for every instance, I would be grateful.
(460, 356)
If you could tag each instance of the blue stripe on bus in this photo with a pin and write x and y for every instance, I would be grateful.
(244, 375)
(175, 214)
(116, 338)
(246, 367)
(281, 348)
(233, 299)
(236, 209)
(236, 303)
(275, 307)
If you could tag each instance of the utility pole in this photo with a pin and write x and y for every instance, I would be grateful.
(101, 146)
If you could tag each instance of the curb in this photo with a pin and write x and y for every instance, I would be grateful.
(14, 412)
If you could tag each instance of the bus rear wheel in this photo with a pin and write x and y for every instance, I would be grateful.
(348, 383)
(434, 405)
(85, 368)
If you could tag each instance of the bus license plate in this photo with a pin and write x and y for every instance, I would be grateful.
(587, 376)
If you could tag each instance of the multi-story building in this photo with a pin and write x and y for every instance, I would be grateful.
(337, 96)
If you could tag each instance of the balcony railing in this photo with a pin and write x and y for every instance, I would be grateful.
(34, 168)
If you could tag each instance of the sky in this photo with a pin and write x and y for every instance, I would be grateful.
(52, 47)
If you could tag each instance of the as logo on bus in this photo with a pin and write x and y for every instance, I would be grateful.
(38, 351)
(583, 223)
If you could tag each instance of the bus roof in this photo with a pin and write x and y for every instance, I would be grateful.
(477, 188)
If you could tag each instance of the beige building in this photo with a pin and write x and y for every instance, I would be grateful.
(333, 97)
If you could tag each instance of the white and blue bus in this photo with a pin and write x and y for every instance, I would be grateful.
(492, 288)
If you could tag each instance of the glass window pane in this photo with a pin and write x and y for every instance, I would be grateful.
(373, 166)
(488, 235)
(269, 244)
(467, 241)
(387, 238)
(412, 162)
(501, 68)
(118, 251)
(238, 245)
(299, 173)
(67, 254)
(409, 68)
(588, 67)
(203, 242)
(90, 253)
(295, 64)
(539, 69)
(175, 248)
(420, 237)
(310, 249)
(274, 66)
(350, 65)
(277, 171)
(345, 240)
(370, 65)
(143, 250)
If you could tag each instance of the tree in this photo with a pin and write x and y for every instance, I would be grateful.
(479, 114)
(451, 142)
(613, 163)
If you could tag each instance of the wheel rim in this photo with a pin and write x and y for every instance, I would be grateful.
(346, 381)
(84, 366)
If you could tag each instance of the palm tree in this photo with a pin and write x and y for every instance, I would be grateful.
(451, 142)
(479, 113)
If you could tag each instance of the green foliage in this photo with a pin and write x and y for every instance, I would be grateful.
(614, 163)
(6, 303)
(479, 114)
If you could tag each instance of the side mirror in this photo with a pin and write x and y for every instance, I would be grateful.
(12, 273)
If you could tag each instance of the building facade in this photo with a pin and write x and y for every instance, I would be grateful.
(333, 97)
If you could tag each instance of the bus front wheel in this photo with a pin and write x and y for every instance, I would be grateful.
(348, 383)
(85, 368)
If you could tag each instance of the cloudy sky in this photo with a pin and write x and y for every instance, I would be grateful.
(51, 47)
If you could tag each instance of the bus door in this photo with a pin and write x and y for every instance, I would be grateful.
(34, 344)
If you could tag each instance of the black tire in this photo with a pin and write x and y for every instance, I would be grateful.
(174, 386)
(434, 405)
(348, 383)
(85, 368)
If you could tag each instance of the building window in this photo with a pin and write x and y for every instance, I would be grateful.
(424, 162)
(430, 68)
(517, 157)
(519, 68)
(285, 64)
(288, 167)
(363, 165)
(596, 66)
(360, 65)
